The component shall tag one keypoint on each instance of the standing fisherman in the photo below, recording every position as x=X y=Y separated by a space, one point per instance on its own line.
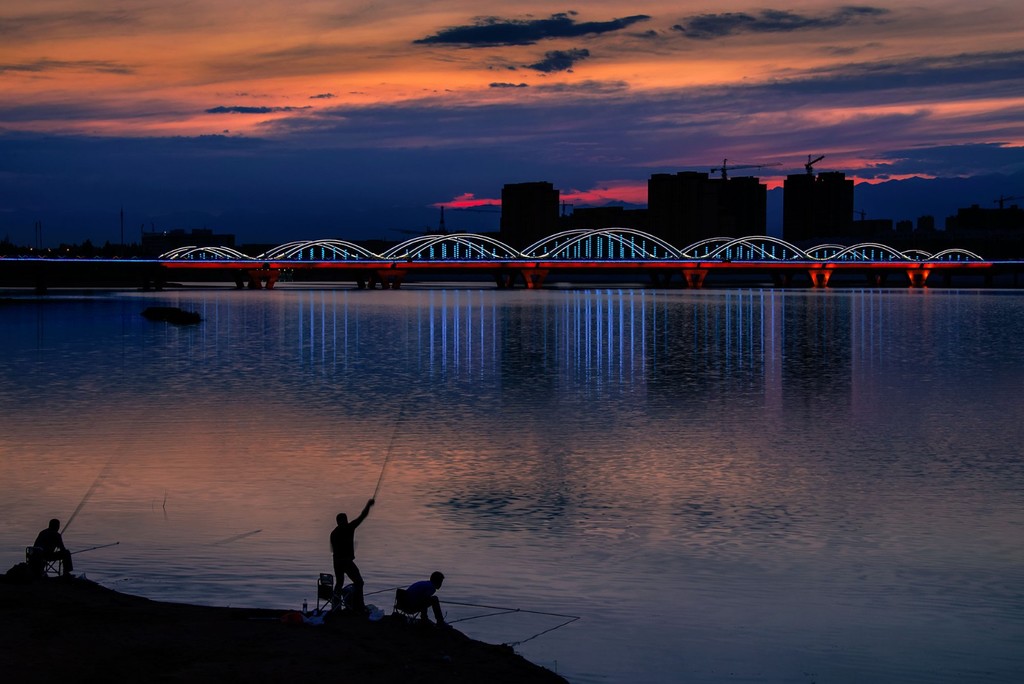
x=343 y=548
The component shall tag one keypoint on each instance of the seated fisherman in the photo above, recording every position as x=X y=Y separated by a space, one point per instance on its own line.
x=50 y=546
x=420 y=596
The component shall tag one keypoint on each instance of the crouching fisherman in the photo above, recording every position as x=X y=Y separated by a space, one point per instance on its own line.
x=421 y=595
x=49 y=546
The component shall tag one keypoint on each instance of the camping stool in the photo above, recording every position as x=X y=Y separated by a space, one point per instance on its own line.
x=41 y=565
x=404 y=607
x=325 y=592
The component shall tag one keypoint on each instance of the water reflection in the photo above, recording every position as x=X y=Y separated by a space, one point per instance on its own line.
x=737 y=480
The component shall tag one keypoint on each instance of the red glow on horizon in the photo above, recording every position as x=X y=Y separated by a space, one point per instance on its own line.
x=635 y=192
x=467 y=200
x=628 y=191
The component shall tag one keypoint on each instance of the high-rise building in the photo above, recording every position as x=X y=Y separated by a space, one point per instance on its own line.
x=816 y=206
x=976 y=218
x=689 y=206
x=529 y=212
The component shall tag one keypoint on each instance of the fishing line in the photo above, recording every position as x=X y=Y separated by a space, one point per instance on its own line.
x=235 y=538
x=505 y=611
x=512 y=610
x=93 y=548
x=89 y=493
x=475 y=617
x=517 y=643
x=501 y=611
x=391 y=446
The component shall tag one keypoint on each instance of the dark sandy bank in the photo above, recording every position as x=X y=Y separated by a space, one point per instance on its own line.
x=76 y=630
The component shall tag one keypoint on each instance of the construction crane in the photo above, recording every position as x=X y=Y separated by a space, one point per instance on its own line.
x=1003 y=198
x=809 y=166
x=441 y=229
x=725 y=168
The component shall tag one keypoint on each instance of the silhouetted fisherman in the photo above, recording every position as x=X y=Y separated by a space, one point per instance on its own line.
x=344 y=550
x=49 y=546
x=420 y=596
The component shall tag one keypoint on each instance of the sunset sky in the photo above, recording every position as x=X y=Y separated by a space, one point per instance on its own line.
x=306 y=119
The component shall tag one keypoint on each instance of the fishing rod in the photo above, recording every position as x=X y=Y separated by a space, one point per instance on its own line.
x=88 y=494
x=391 y=446
x=236 y=537
x=93 y=548
x=501 y=611
x=505 y=611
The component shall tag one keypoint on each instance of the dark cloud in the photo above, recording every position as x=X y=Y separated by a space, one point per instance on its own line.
x=589 y=87
x=495 y=31
x=508 y=85
x=65 y=24
x=253 y=110
x=954 y=160
x=43 y=65
x=322 y=96
x=705 y=123
x=559 y=60
x=383 y=163
x=962 y=75
x=710 y=26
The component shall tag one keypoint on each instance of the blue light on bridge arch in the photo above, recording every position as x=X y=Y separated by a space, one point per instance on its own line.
x=608 y=244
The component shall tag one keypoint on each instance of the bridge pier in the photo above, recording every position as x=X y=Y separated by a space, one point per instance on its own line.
x=820 y=277
x=389 y=279
x=693 y=278
x=661 y=279
x=876 y=278
x=262 y=277
x=918 y=276
x=534 y=277
x=154 y=279
x=784 y=279
x=505 y=280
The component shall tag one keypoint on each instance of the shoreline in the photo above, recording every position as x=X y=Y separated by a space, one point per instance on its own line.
x=75 y=628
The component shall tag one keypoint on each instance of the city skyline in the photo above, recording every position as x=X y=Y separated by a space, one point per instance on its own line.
x=282 y=121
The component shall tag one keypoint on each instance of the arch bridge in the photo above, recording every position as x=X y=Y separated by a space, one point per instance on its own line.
x=586 y=253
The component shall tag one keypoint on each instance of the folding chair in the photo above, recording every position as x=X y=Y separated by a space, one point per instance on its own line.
x=41 y=565
x=325 y=595
x=405 y=608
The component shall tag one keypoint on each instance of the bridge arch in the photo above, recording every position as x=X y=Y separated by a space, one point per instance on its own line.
x=602 y=244
x=956 y=254
x=870 y=251
x=320 y=250
x=451 y=247
x=749 y=248
x=917 y=255
x=824 y=252
x=194 y=253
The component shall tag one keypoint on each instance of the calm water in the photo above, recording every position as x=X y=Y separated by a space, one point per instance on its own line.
x=742 y=486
